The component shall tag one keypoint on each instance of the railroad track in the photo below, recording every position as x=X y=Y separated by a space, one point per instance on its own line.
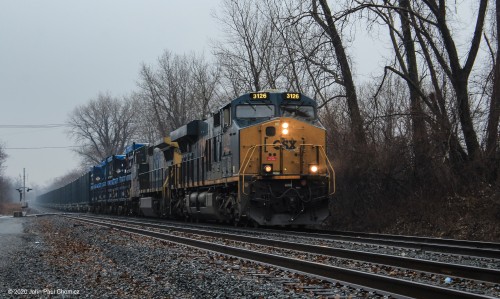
x=392 y=285
x=414 y=239
x=448 y=246
x=460 y=247
x=464 y=248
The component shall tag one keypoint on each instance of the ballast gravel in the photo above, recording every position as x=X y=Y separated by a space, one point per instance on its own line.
x=61 y=258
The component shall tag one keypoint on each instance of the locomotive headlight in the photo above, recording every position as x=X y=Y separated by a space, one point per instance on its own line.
x=268 y=168
x=284 y=127
x=313 y=168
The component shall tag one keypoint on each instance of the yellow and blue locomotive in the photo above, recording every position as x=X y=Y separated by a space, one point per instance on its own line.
x=261 y=158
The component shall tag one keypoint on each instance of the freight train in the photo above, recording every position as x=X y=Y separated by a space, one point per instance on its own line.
x=261 y=158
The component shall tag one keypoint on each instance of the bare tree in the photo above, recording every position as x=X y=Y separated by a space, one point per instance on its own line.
x=437 y=36
x=277 y=44
x=178 y=90
x=492 y=138
x=3 y=157
x=148 y=128
x=205 y=85
x=103 y=127
x=251 y=55
x=7 y=190
x=428 y=38
x=327 y=22
x=306 y=59
x=6 y=187
x=405 y=64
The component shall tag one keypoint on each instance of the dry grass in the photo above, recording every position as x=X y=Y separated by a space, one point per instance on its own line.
x=8 y=208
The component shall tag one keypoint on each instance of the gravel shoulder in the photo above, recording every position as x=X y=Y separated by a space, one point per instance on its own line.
x=54 y=257
x=12 y=238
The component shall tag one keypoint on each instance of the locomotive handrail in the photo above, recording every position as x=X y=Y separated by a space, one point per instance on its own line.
x=329 y=167
x=253 y=147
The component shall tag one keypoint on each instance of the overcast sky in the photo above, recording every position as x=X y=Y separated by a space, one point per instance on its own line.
x=58 y=54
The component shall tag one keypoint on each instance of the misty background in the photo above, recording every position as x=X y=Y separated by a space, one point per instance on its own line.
x=56 y=55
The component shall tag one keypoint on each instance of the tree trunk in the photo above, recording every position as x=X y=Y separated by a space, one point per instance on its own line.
x=341 y=56
x=417 y=116
x=459 y=75
x=494 y=113
x=470 y=137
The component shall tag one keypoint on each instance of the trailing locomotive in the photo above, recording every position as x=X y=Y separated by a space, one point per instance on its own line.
x=260 y=158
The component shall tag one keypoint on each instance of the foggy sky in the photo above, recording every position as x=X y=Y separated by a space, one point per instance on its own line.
x=58 y=54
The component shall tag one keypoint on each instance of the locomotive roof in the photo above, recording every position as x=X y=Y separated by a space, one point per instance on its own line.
x=115 y=157
x=133 y=147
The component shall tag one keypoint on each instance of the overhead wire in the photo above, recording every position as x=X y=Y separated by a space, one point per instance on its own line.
x=35 y=126
x=32 y=126
x=36 y=148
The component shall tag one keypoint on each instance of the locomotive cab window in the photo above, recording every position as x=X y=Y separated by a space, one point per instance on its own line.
x=226 y=112
x=217 y=119
x=254 y=111
x=306 y=112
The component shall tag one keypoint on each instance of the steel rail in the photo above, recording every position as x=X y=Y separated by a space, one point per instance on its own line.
x=435 y=245
x=425 y=244
x=450 y=246
x=443 y=241
x=331 y=273
x=463 y=271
